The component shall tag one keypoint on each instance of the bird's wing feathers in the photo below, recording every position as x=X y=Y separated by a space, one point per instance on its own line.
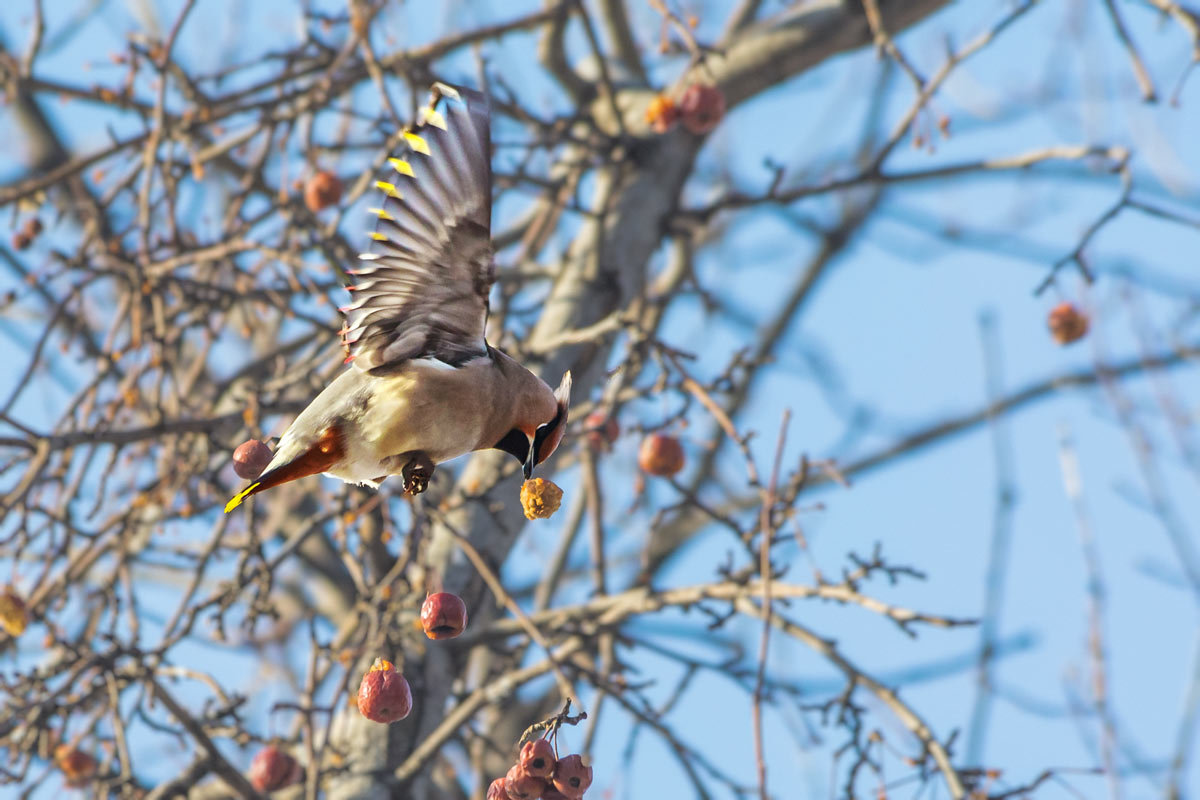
x=422 y=289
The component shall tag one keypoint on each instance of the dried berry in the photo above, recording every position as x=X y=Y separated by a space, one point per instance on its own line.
x=572 y=776
x=384 y=695
x=78 y=768
x=540 y=498
x=443 y=615
x=550 y=793
x=600 y=431
x=273 y=769
x=21 y=240
x=322 y=190
x=250 y=459
x=661 y=113
x=661 y=455
x=701 y=108
x=537 y=758
x=520 y=785
x=14 y=615
x=32 y=227
x=496 y=790
x=1067 y=323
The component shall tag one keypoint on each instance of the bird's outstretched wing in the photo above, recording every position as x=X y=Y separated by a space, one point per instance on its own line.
x=422 y=288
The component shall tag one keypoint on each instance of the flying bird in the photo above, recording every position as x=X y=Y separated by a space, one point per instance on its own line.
x=423 y=386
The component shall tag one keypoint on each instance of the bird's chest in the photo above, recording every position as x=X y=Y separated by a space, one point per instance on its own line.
x=427 y=409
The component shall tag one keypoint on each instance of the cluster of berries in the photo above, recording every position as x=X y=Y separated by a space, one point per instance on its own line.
x=539 y=773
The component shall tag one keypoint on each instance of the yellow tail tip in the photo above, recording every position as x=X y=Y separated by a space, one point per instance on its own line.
x=240 y=496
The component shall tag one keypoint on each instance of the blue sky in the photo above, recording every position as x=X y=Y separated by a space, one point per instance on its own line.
x=898 y=317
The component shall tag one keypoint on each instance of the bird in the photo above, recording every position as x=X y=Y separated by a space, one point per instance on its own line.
x=422 y=385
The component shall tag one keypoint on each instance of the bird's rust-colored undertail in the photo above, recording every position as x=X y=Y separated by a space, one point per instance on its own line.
x=328 y=450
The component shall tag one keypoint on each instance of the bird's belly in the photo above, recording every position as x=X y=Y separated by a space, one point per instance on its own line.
x=420 y=411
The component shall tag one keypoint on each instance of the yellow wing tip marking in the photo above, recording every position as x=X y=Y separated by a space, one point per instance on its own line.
x=389 y=188
x=402 y=166
x=240 y=496
x=379 y=212
x=417 y=143
x=431 y=116
x=379 y=237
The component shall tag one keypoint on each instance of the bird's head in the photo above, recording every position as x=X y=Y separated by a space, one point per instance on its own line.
x=538 y=434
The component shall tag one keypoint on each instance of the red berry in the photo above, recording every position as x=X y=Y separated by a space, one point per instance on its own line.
x=701 y=108
x=250 y=459
x=21 y=240
x=522 y=786
x=1067 y=323
x=572 y=777
x=443 y=615
x=537 y=758
x=601 y=431
x=660 y=454
x=496 y=790
x=383 y=695
x=273 y=769
x=322 y=191
x=78 y=767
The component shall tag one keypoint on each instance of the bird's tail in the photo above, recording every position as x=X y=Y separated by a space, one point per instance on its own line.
x=319 y=457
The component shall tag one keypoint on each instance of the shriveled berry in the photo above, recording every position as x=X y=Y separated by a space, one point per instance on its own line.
x=32 y=227
x=78 y=768
x=572 y=776
x=550 y=793
x=384 y=695
x=496 y=790
x=21 y=240
x=14 y=615
x=600 y=431
x=273 y=769
x=662 y=113
x=250 y=459
x=537 y=758
x=520 y=785
x=701 y=108
x=1067 y=323
x=660 y=454
x=322 y=190
x=540 y=498
x=443 y=615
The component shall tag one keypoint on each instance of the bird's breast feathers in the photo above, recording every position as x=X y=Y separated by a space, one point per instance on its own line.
x=428 y=407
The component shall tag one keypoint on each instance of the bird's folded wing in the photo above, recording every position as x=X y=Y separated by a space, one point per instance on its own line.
x=421 y=290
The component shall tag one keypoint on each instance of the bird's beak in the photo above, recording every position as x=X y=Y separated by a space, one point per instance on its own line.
x=527 y=467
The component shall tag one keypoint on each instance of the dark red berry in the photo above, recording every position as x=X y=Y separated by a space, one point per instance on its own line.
x=701 y=108
x=600 y=430
x=496 y=790
x=323 y=190
x=572 y=777
x=384 y=695
x=443 y=615
x=1067 y=323
x=522 y=786
x=660 y=454
x=537 y=758
x=250 y=459
x=273 y=769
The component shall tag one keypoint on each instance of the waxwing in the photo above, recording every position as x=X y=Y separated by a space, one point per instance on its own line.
x=422 y=385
